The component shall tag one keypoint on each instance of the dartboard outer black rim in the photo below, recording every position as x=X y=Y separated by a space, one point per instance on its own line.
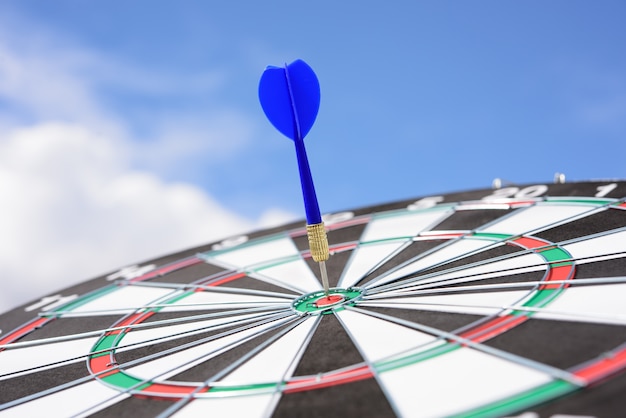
x=490 y=302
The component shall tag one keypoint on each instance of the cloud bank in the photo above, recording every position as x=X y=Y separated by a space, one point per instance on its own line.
x=80 y=194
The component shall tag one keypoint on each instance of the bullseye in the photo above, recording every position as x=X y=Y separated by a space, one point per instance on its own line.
x=318 y=303
x=328 y=301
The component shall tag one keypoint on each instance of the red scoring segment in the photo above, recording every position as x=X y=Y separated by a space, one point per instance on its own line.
x=331 y=379
x=23 y=330
x=161 y=271
x=328 y=300
x=560 y=270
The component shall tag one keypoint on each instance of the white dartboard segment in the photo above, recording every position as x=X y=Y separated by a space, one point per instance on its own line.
x=141 y=337
x=124 y=300
x=276 y=260
x=536 y=217
x=164 y=367
x=234 y=406
x=367 y=257
x=293 y=274
x=510 y=266
x=403 y=224
x=605 y=304
x=18 y=362
x=368 y=332
x=383 y=236
x=248 y=256
x=211 y=300
x=472 y=379
x=449 y=252
x=605 y=246
x=276 y=362
x=80 y=400
x=478 y=303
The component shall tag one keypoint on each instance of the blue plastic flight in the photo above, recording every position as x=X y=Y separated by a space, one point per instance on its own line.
x=290 y=98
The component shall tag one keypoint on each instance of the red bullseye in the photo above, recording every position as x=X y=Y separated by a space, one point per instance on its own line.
x=328 y=300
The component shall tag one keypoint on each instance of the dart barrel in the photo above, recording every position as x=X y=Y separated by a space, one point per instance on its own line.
x=318 y=242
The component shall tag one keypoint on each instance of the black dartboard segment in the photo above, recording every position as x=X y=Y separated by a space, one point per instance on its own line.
x=486 y=303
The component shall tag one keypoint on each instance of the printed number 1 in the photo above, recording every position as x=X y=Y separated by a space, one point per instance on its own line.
x=606 y=189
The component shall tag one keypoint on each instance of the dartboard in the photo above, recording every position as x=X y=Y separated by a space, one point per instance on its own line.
x=493 y=302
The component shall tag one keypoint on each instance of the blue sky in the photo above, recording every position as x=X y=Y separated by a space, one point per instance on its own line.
x=130 y=129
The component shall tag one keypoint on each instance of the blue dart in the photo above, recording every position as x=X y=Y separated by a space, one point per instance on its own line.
x=290 y=98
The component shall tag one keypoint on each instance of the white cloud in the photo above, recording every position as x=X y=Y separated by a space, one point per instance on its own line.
x=46 y=85
x=72 y=208
x=181 y=138
x=73 y=202
x=43 y=79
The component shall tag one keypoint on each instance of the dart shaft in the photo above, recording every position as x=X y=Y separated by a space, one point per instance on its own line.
x=311 y=207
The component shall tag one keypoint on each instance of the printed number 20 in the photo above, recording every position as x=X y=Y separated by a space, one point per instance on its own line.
x=516 y=192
